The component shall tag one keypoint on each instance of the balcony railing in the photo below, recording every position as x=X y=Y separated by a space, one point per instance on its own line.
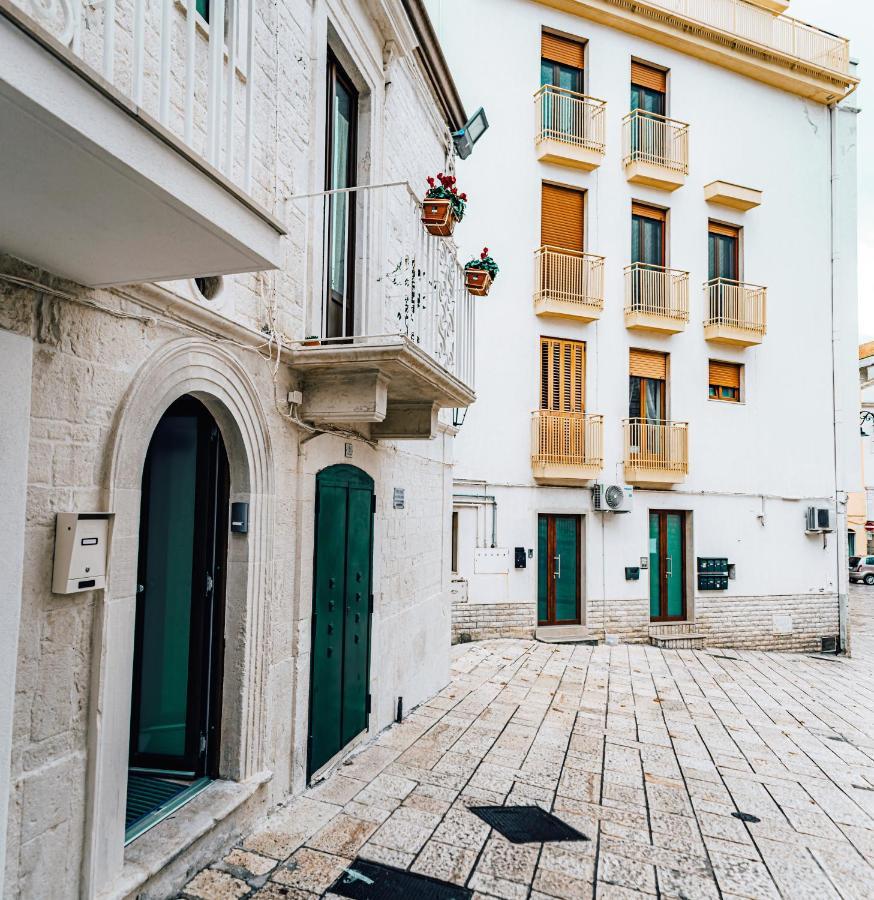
x=656 y=291
x=570 y=118
x=568 y=283
x=736 y=305
x=782 y=34
x=656 y=141
x=656 y=447
x=194 y=79
x=567 y=439
x=383 y=277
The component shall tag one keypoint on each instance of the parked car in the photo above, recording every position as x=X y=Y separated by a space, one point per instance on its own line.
x=862 y=569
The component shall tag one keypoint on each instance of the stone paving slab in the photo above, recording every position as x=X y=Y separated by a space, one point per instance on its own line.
x=648 y=752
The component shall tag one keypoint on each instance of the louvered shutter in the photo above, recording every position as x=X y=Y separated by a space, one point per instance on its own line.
x=562 y=375
x=731 y=231
x=649 y=77
x=725 y=374
x=562 y=50
x=561 y=217
x=651 y=212
x=648 y=364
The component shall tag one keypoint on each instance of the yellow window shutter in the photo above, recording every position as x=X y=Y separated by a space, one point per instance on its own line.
x=731 y=231
x=649 y=77
x=648 y=364
x=650 y=212
x=725 y=374
x=562 y=50
x=562 y=375
x=561 y=217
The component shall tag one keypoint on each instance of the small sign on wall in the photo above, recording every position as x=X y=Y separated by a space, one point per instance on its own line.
x=398 y=498
x=347 y=450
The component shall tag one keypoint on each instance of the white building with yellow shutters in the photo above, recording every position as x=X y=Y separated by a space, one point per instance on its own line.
x=669 y=188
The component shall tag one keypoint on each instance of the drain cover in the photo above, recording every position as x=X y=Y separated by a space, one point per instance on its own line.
x=746 y=817
x=527 y=824
x=365 y=880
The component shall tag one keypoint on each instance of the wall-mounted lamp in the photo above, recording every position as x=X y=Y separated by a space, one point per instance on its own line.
x=474 y=129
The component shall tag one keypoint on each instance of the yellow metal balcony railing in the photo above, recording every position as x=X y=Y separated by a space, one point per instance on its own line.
x=657 y=142
x=782 y=34
x=656 y=451
x=566 y=447
x=656 y=298
x=568 y=283
x=571 y=127
x=735 y=312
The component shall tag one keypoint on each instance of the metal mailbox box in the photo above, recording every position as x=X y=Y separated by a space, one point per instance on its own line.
x=81 y=552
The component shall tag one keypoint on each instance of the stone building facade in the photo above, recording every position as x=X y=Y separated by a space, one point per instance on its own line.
x=231 y=334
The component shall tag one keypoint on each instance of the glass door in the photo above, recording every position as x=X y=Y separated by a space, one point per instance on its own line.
x=648 y=291
x=646 y=403
x=559 y=565
x=667 y=566
x=558 y=108
x=339 y=313
x=647 y=135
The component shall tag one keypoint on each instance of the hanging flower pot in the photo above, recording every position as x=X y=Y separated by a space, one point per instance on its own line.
x=443 y=206
x=480 y=273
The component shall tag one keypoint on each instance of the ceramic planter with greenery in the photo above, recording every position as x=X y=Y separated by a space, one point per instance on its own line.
x=443 y=206
x=480 y=273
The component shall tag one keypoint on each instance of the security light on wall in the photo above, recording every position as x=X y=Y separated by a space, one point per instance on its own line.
x=474 y=129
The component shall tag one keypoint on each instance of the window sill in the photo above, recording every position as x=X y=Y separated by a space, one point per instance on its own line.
x=159 y=846
x=726 y=402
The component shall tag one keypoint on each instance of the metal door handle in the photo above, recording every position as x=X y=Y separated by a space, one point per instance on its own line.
x=557 y=572
x=669 y=566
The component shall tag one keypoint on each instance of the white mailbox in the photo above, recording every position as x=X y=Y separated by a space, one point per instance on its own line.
x=81 y=552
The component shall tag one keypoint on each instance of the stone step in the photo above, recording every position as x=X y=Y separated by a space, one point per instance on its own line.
x=686 y=640
x=564 y=634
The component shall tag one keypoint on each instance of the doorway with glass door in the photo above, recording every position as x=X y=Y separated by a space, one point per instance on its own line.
x=179 y=628
x=667 y=566
x=561 y=73
x=559 y=573
x=647 y=383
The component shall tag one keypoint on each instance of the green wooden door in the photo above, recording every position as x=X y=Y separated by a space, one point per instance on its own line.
x=667 y=566
x=342 y=605
x=558 y=570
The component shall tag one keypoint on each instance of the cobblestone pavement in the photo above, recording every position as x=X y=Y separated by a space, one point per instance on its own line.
x=647 y=752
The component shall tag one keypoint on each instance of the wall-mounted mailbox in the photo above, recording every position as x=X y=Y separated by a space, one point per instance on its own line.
x=81 y=552
x=519 y=554
x=632 y=573
x=713 y=573
x=240 y=518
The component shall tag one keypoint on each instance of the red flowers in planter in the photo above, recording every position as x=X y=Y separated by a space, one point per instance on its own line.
x=443 y=206
x=480 y=273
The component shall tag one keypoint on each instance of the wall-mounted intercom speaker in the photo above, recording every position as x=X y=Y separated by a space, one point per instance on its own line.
x=240 y=518
x=81 y=552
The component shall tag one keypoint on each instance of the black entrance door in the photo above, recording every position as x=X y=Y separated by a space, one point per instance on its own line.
x=178 y=649
x=342 y=607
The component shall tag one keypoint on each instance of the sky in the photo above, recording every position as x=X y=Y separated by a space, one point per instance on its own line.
x=855 y=19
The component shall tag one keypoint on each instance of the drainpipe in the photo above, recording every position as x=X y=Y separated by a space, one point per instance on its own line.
x=479 y=499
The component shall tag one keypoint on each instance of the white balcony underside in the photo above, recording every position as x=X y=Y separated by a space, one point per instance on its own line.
x=95 y=191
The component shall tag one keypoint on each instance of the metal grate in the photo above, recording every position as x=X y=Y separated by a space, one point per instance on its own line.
x=365 y=880
x=527 y=824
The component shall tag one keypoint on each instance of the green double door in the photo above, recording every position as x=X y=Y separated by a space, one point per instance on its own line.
x=558 y=569
x=667 y=566
x=342 y=608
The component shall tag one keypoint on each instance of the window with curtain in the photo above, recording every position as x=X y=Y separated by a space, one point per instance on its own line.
x=725 y=381
x=648 y=372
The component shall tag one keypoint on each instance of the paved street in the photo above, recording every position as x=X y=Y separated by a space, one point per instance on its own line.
x=648 y=753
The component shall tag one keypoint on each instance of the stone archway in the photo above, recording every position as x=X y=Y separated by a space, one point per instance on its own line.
x=218 y=379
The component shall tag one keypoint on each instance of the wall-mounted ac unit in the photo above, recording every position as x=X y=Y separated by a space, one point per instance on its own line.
x=818 y=519
x=615 y=498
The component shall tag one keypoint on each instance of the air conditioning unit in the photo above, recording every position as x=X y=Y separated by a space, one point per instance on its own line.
x=612 y=498
x=818 y=519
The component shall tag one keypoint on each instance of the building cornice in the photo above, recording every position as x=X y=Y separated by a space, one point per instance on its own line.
x=762 y=58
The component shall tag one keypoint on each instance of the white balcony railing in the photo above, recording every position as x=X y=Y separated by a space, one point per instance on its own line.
x=782 y=34
x=657 y=446
x=381 y=276
x=657 y=291
x=567 y=439
x=736 y=305
x=653 y=139
x=570 y=118
x=167 y=61
x=569 y=277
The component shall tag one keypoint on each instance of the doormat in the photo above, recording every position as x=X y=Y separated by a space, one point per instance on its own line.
x=527 y=824
x=365 y=880
x=746 y=817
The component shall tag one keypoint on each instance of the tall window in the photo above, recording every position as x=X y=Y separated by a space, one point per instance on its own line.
x=562 y=375
x=561 y=67
x=725 y=381
x=648 y=374
x=723 y=243
x=648 y=88
x=648 y=235
x=340 y=168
